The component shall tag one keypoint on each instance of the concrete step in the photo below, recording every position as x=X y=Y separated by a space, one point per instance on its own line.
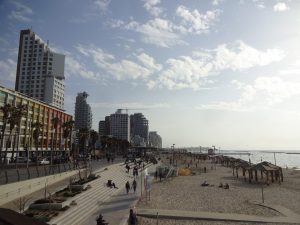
x=91 y=200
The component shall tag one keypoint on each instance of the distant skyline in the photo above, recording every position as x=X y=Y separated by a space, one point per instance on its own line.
x=220 y=72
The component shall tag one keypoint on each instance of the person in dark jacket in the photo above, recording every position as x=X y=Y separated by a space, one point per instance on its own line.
x=127 y=186
x=132 y=220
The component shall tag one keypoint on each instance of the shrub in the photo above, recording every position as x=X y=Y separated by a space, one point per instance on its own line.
x=42 y=218
x=65 y=208
x=69 y=194
x=43 y=200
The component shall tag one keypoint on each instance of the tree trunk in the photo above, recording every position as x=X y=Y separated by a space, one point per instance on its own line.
x=13 y=147
x=8 y=143
x=2 y=139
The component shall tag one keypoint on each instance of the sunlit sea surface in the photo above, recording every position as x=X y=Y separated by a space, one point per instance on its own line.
x=290 y=159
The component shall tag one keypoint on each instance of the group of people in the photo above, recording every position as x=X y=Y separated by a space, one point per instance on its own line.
x=134 y=185
x=225 y=186
x=132 y=219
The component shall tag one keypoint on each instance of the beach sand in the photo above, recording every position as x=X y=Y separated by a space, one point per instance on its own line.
x=186 y=193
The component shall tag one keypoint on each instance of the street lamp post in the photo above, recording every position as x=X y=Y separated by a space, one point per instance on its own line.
x=173 y=153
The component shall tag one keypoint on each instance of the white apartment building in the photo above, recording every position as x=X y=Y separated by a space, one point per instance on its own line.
x=120 y=125
x=40 y=71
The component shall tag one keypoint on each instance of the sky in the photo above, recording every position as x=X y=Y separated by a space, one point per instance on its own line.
x=222 y=73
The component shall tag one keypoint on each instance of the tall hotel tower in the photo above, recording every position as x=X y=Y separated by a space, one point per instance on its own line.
x=40 y=71
x=83 y=112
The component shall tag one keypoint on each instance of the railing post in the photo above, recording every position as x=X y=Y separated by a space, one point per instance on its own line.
x=37 y=171
x=28 y=173
x=6 y=177
x=45 y=171
x=18 y=173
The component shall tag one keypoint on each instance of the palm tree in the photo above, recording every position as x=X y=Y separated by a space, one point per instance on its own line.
x=94 y=137
x=21 y=111
x=36 y=134
x=83 y=137
x=124 y=146
x=55 y=122
x=6 y=110
x=67 y=130
x=14 y=120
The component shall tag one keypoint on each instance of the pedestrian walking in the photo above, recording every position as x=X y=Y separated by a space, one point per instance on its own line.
x=134 y=185
x=127 y=167
x=127 y=186
x=132 y=220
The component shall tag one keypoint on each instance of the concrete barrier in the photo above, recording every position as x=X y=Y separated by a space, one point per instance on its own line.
x=13 y=191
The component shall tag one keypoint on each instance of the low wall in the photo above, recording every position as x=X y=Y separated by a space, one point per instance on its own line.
x=13 y=191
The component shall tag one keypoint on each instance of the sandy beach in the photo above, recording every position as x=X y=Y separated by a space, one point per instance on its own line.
x=186 y=193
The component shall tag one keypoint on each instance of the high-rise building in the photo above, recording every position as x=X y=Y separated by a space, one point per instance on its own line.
x=83 y=112
x=40 y=71
x=104 y=126
x=120 y=125
x=101 y=129
x=155 y=139
x=139 y=126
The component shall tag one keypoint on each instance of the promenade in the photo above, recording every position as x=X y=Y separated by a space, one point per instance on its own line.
x=287 y=217
x=34 y=187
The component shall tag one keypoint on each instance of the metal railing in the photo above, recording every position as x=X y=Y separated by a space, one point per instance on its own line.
x=14 y=175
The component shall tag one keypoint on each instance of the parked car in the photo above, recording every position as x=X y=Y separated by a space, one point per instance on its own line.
x=44 y=162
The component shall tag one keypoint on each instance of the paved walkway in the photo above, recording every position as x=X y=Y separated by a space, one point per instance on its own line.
x=113 y=203
x=116 y=209
x=289 y=217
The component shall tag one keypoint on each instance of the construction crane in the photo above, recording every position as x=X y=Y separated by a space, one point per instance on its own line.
x=127 y=109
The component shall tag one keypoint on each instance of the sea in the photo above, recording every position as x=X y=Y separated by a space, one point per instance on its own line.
x=290 y=159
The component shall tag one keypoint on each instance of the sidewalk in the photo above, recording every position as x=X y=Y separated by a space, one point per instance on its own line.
x=179 y=214
x=116 y=210
x=113 y=203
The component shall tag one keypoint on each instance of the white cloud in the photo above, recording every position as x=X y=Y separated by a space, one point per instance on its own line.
x=194 y=21
x=122 y=69
x=102 y=5
x=74 y=67
x=149 y=62
x=152 y=7
x=22 y=12
x=280 y=7
x=195 y=71
x=241 y=56
x=291 y=69
x=158 y=32
x=263 y=93
x=260 y=4
x=164 y=33
x=217 y=2
x=8 y=70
